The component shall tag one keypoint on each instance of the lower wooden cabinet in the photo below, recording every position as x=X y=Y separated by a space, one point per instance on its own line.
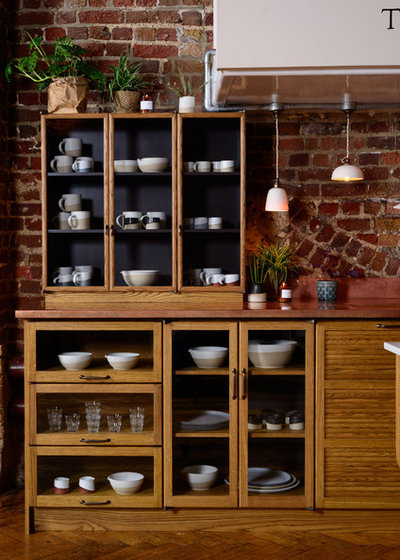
x=355 y=416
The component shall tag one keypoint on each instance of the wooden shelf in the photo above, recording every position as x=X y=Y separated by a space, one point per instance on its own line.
x=205 y=434
x=99 y=368
x=286 y=432
x=143 y=231
x=200 y=371
x=143 y=174
x=211 y=174
x=75 y=231
x=291 y=370
x=220 y=489
x=76 y=174
x=212 y=231
x=124 y=437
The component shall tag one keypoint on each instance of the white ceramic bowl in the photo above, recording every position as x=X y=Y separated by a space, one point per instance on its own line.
x=153 y=164
x=125 y=165
x=208 y=356
x=139 y=277
x=75 y=361
x=126 y=482
x=122 y=360
x=271 y=353
x=200 y=477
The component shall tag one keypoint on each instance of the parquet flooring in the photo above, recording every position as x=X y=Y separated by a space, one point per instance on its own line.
x=236 y=545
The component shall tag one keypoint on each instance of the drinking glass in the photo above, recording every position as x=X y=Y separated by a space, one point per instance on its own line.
x=72 y=421
x=114 y=422
x=54 y=417
x=136 y=418
x=93 y=422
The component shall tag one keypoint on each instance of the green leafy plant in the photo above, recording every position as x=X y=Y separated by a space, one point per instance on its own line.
x=126 y=77
x=42 y=68
x=186 y=88
x=257 y=267
x=281 y=263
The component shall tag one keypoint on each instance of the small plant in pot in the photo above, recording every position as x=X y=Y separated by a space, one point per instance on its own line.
x=281 y=265
x=66 y=74
x=186 y=93
x=258 y=274
x=126 y=85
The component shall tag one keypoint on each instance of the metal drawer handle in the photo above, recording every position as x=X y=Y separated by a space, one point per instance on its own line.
x=244 y=373
x=379 y=326
x=86 y=377
x=234 y=380
x=95 y=503
x=83 y=440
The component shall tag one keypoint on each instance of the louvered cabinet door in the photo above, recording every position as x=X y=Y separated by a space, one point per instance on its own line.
x=355 y=416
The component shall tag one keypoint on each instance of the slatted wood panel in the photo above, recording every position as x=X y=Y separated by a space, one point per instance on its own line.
x=355 y=416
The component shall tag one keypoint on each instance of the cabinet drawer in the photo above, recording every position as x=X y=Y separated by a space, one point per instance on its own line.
x=48 y=463
x=49 y=339
x=113 y=398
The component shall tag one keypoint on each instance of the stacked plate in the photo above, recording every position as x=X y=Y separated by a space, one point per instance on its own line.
x=269 y=481
x=204 y=420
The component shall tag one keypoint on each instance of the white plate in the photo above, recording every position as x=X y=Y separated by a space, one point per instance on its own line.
x=294 y=482
x=204 y=420
x=265 y=478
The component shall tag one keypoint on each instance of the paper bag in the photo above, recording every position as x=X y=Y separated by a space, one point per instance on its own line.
x=68 y=95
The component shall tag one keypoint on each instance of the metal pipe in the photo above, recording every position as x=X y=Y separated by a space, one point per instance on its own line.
x=209 y=106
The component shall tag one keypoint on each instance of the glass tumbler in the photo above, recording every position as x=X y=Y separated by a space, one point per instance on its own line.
x=114 y=422
x=72 y=421
x=136 y=418
x=54 y=417
x=93 y=421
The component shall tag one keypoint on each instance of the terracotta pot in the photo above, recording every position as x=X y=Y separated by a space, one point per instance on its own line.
x=126 y=101
x=68 y=95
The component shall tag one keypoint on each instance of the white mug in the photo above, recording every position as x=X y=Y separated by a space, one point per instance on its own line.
x=82 y=278
x=63 y=270
x=215 y=223
x=129 y=220
x=85 y=268
x=200 y=222
x=63 y=280
x=61 y=484
x=62 y=164
x=231 y=279
x=83 y=164
x=70 y=202
x=79 y=219
x=215 y=279
x=188 y=166
x=227 y=165
x=202 y=166
x=60 y=220
x=207 y=272
x=125 y=165
x=161 y=215
x=216 y=166
x=87 y=483
x=71 y=147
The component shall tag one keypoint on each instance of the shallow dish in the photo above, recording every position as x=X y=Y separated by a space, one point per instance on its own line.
x=208 y=356
x=153 y=164
x=122 y=360
x=271 y=353
x=126 y=483
x=200 y=477
x=139 y=277
x=75 y=361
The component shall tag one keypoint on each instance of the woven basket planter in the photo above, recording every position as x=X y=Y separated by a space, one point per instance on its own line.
x=126 y=101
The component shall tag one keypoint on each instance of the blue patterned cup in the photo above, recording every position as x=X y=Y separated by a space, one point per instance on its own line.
x=327 y=290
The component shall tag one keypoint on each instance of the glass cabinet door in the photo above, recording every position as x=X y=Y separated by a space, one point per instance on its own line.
x=74 y=194
x=142 y=202
x=276 y=395
x=200 y=414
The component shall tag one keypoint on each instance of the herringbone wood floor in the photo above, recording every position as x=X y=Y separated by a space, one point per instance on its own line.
x=243 y=545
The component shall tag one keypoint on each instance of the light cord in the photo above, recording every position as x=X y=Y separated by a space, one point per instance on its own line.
x=347 y=136
x=276 y=147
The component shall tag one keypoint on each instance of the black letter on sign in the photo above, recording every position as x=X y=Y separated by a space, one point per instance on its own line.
x=390 y=10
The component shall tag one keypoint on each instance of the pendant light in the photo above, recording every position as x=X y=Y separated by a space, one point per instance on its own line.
x=276 y=199
x=347 y=172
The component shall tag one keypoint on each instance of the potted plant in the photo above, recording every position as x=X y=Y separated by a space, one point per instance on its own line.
x=186 y=93
x=125 y=85
x=281 y=265
x=258 y=274
x=64 y=72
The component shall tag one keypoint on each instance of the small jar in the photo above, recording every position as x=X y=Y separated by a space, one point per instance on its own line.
x=289 y=414
x=146 y=103
x=264 y=415
x=254 y=422
x=297 y=421
x=61 y=485
x=284 y=293
x=275 y=422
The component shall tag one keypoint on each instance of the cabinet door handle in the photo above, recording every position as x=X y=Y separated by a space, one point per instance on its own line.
x=244 y=386
x=95 y=503
x=86 y=377
x=106 y=229
x=83 y=440
x=180 y=229
x=112 y=229
x=234 y=381
x=380 y=326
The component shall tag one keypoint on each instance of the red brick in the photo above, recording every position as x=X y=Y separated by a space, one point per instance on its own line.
x=166 y=34
x=354 y=224
x=135 y=16
x=392 y=267
x=298 y=160
x=98 y=3
x=78 y=32
x=388 y=224
x=328 y=143
x=33 y=18
x=31 y=98
x=351 y=207
x=99 y=33
x=291 y=144
x=103 y=16
x=146 y=2
x=163 y=16
x=371 y=238
x=340 y=190
x=391 y=158
x=65 y=17
x=52 y=33
x=317 y=258
x=352 y=248
x=328 y=208
x=326 y=234
x=145 y=34
x=122 y=33
x=115 y=49
x=305 y=248
x=154 y=51
x=322 y=160
x=53 y=3
x=379 y=262
x=372 y=207
x=365 y=256
x=315 y=224
x=191 y=18
x=369 y=159
x=381 y=142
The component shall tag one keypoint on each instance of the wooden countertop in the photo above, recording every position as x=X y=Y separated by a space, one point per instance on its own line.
x=357 y=309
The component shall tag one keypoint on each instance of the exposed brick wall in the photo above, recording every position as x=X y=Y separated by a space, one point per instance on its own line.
x=343 y=229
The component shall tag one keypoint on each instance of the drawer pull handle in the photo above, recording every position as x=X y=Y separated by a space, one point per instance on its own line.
x=380 y=326
x=244 y=386
x=88 y=377
x=95 y=503
x=83 y=440
x=234 y=381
